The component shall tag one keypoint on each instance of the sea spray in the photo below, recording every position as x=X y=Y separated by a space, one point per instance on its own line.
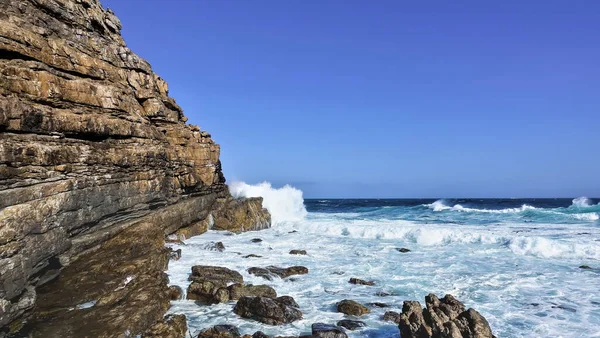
x=285 y=204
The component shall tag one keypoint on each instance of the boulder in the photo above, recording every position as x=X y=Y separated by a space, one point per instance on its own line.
x=217 y=274
x=270 y=271
x=321 y=330
x=287 y=300
x=266 y=310
x=175 y=292
x=360 y=281
x=172 y=326
x=209 y=283
x=352 y=308
x=298 y=252
x=392 y=316
x=445 y=318
x=351 y=324
x=220 y=331
x=237 y=291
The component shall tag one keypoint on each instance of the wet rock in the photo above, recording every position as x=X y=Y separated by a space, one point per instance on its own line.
x=209 y=283
x=214 y=246
x=445 y=318
x=563 y=307
x=216 y=274
x=172 y=326
x=256 y=240
x=174 y=254
x=241 y=214
x=322 y=330
x=587 y=267
x=259 y=334
x=237 y=291
x=351 y=324
x=382 y=294
x=392 y=316
x=266 y=310
x=220 y=331
x=298 y=252
x=252 y=256
x=293 y=232
x=271 y=271
x=287 y=300
x=352 y=308
x=403 y=250
x=378 y=304
x=360 y=281
x=175 y=292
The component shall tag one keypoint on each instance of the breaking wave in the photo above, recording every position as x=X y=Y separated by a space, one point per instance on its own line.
x=285 y=204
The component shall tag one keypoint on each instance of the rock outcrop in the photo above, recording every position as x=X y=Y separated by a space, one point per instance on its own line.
x=96 y=162
x=267 y=310
x=443 y=318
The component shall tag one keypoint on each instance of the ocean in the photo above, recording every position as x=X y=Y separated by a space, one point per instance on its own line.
x=516 y=261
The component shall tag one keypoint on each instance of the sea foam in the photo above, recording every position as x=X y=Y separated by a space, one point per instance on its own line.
x=285 y=204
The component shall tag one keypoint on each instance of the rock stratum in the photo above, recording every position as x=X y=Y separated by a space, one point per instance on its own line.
x=97 y=166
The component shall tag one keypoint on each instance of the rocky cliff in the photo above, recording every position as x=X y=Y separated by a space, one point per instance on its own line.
x=97 y=165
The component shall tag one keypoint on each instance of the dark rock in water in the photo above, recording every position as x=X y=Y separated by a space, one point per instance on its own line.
x=237 y=291
x=256 y=240
x=287 y=300
x=351 y=324
x=252 y=256
x=266 y=310
x=352 y=308
x=172 y=326
x=175 y=292
x=217 y=274
x=259 y=334
x=174 y=254
x=392 y=316
x=378 y=304
x=566 y=308
x=220 y=331
x=271 y=271
x=382 y=294
x=209 y=283
x=360 y=281
x=403 y=250
x=214 y=246
x=339 y=273
x=587 y=267
x=445 y=318
x=321 y=330
x=293 y=232
x=298 y=252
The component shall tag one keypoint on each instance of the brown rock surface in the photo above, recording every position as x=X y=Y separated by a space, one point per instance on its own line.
x=94 y=157
x=443 y=318
x=353 y=308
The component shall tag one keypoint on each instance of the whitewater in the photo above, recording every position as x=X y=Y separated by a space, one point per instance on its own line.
x=518 y=262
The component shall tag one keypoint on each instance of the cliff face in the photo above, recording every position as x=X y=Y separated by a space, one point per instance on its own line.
x=94 y=155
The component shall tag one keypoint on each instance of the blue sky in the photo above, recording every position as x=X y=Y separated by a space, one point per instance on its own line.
x=386 y=98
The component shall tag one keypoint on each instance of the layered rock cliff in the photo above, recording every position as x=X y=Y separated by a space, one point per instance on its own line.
x=97 y=165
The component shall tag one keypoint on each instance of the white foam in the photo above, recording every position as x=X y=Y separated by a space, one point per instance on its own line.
x=440 y=205
x=592 y=216
x=285 y=204
x=582 y=202
x=549 y=248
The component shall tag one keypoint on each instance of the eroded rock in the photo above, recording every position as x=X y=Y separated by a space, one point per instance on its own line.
x=266 y=310
x=173 y=326
x=322 y=330
x=220 y=331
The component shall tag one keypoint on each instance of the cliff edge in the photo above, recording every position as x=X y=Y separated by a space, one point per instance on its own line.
x=97 y=166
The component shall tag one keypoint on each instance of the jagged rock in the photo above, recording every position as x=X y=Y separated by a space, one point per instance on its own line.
x=220 y=331
x=172 y=326
x=175 y=292
x=322 y=330
x=445 y=318
x=209 y=283
x=237 y=291
x=392 y=316
x=352 y=308
x=298 y=252
x=266 y=310
x=271 y=271
x=351 y=324
x=217 y=274
x=93 y=150
x=287 y=300
x=403 y=250
x=360 y=281
x=174 y=254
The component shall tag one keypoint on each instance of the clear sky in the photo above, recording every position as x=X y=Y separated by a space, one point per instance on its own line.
x=391 y=98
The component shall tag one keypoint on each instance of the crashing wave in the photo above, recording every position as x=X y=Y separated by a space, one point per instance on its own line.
x=285 y=204
x=440 y=205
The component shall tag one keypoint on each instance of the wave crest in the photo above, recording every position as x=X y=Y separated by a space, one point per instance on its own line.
x=285 y=204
